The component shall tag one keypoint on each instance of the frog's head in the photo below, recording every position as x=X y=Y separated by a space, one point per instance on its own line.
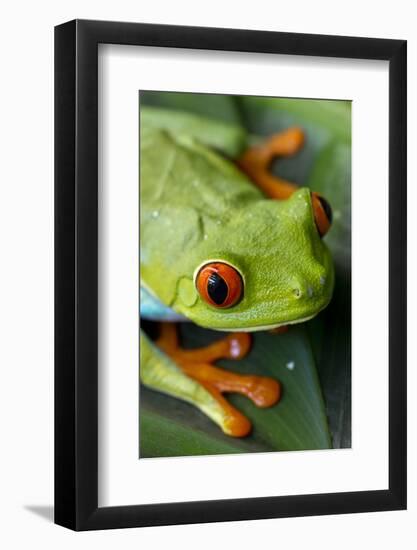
x=264 y=266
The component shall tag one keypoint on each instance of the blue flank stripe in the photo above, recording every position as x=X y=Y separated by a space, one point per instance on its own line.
x=154 y=310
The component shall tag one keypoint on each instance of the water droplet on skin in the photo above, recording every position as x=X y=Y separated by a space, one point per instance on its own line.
x=155 y=214
x=322 y=280
x=290 y=365
x=205 y=237
x=310 y=291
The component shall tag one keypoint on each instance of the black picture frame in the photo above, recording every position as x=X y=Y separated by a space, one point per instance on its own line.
x=76 y=272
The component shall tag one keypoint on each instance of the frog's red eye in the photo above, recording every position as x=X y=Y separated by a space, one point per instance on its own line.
x=322 y=213
x=219 y=284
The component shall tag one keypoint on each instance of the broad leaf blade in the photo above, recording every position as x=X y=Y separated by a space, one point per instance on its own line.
x=217 y=107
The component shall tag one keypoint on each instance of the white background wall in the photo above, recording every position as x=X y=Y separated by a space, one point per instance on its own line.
x=26 y=275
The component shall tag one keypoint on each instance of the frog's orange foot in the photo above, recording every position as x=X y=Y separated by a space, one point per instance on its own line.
x=279 y=330
x=256 y=162
x=196 y=363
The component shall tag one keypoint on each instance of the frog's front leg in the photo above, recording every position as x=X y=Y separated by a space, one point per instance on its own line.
x=256 y=162
x=189 y=375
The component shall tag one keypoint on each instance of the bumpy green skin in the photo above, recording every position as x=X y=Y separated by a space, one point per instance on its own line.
x=196 y=207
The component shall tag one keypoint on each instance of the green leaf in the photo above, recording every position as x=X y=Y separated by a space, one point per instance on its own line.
x=217 y=107
x=169 y=427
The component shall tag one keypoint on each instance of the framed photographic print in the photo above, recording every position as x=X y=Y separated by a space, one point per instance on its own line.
x=230 y=274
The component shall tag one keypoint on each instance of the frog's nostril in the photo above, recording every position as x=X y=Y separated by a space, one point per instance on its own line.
x=308 y=289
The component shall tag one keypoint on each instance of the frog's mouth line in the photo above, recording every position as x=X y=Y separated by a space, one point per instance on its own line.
x=259 y=328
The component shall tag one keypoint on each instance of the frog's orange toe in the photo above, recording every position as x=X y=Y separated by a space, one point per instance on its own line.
x=239 y=344
x=237 y=425
x=279 y=330
x=287 y=142
x=265 y=391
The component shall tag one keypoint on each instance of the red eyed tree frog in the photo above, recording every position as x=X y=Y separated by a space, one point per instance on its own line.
x=228 y=246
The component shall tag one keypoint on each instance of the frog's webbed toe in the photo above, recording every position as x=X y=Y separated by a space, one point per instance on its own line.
x=197 y=364
x=256 y=162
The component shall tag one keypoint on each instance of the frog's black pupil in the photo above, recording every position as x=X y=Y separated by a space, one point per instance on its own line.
x=326 y=207
x=217 y=288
